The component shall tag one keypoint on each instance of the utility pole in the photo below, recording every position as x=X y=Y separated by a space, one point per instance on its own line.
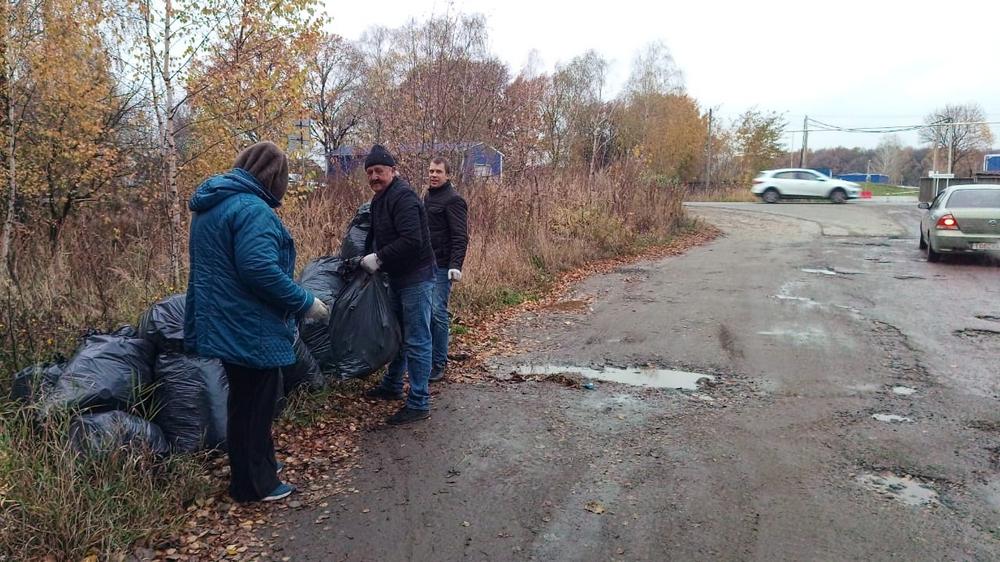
x=805 y=142
x=708 y=153
x=951 y=141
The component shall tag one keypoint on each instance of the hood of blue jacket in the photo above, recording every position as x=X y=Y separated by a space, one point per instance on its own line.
x=217 y=189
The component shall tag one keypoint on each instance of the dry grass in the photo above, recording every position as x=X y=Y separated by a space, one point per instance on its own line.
x=722 y=193
x=56 y=502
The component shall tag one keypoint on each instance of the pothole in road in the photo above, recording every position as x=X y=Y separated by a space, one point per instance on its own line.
x=903 y=390
x=905 y=489
x=988 y=317
x=978 y=334
x=651 y=378
x=990 y=426
x=892 y=418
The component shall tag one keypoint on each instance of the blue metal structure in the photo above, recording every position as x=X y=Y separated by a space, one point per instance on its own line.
x=859 y=177
x=991 y=163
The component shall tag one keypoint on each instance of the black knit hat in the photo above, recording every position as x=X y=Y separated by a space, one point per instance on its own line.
x=379 y=156
x=268 y=164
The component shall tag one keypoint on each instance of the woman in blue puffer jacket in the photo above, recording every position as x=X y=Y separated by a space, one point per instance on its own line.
x=242 y=305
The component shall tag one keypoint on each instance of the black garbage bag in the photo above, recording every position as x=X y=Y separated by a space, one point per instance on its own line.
x=31 y=383
x=189 y=401
x=357 y=242
x=364 y=331
x=163 y=323
x=107 y=432
x=323 y=277
x=108 y=372
x=305 y=372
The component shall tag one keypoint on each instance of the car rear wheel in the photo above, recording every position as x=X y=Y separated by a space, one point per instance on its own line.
x=770 y=195
x=932 y=256
x=838 y=196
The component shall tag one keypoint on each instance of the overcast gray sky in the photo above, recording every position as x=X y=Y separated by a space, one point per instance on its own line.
x=851 y=63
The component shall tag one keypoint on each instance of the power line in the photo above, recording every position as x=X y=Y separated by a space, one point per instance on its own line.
x=826 y=127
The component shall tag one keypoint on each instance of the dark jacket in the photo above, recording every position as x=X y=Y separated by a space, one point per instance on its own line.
x=447 y=219
x=241 y=300
x=402 y=240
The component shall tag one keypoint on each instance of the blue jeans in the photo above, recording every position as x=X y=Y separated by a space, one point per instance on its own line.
x=412 y=306
x=440 y=321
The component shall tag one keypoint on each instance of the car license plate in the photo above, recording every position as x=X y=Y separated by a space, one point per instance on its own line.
x=986 y=246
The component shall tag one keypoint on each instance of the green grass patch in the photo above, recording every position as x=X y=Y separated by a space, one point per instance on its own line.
x=882 y=190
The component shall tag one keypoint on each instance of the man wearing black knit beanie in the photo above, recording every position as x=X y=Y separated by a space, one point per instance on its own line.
x=402 y=249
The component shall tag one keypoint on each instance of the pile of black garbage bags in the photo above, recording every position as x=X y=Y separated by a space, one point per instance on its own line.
x=113 y=378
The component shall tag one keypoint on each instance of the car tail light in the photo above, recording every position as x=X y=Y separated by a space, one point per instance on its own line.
x=947 y=222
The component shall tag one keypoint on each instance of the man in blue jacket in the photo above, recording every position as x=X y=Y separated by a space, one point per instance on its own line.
x=403 y=251
x=242 y=305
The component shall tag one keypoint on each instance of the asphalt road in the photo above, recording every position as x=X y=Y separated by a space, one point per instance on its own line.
x=852 y=413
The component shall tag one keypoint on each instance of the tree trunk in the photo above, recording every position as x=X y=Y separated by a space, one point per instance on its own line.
x=7 y=108
x=171 y=153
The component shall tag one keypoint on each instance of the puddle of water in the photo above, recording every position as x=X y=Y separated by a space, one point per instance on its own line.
x=905 y=489
x=653 y=378
x=903 y=390
x=828 y=271
x=803 y=336
x=892 y=418
x=804 y=300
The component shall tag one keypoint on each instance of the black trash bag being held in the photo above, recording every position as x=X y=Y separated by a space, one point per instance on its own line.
x=163 y=323
x=357 y=242
x=323 y=277
x=108 y=372
x=108 y=432
x=364 y=332
x=190 y=401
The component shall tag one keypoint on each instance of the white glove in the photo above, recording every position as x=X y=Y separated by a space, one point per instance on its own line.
x=371 y=263
x=454 y=275
x=318 y=311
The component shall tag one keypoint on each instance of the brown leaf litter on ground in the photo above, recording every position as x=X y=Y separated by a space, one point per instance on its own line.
x=320 y=456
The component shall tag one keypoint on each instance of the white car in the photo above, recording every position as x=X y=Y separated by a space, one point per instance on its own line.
x=793 y=183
